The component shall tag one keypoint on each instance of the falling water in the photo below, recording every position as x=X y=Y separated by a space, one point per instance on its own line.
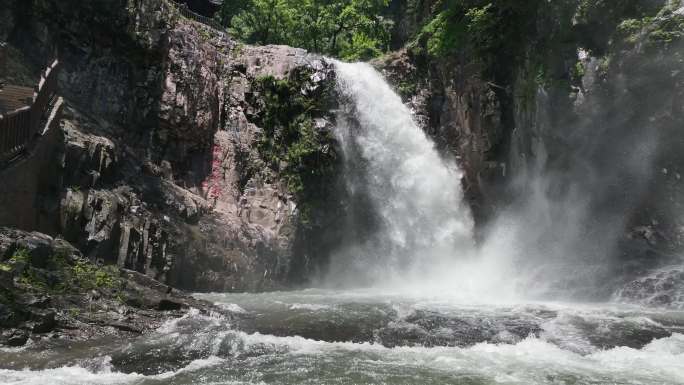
x=421 y=233
x=421 y=217
x=411 y=229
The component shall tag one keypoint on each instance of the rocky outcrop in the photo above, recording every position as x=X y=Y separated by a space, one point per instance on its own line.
x=161 y=171
x=546 y=130
x=255 y=220
x=49 y=290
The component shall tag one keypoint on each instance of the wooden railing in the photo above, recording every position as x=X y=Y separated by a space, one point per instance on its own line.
x=186 y=12
x=3 y=61
x=19 y=127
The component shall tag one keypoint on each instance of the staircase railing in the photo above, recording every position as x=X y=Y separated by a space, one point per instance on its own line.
x=186 y=12
x=19 y=127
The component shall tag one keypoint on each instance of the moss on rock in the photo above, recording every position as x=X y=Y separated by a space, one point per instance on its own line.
x=292 y=143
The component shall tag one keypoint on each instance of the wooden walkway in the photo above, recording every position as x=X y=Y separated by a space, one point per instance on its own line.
x=23 y=112
x=15 y=97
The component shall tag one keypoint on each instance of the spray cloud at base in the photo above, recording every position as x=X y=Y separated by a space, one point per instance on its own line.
x=410 y=228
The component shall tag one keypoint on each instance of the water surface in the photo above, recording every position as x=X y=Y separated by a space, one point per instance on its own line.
x=369 y=337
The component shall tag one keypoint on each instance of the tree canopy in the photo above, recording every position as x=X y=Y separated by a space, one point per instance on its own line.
x=348 y=29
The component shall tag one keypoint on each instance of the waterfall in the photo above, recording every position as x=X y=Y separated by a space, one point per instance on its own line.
x=419 y=219
x=410 y=228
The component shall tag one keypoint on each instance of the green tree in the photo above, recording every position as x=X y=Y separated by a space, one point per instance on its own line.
x=263 y=22
x=350 y=29
x=231 y=8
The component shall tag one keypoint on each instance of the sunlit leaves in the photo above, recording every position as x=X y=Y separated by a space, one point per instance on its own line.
x=352 y=29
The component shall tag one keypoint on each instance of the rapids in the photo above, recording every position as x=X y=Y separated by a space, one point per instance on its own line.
x=365 y=337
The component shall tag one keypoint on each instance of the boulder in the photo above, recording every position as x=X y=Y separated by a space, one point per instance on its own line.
x=18 y=339
x=44 y=322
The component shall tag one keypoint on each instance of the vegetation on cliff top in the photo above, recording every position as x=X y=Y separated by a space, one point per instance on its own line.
x=350 y=29
x=495 y=33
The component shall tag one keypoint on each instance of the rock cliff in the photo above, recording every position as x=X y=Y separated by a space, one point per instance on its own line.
x=544 y=130
x=162 y=171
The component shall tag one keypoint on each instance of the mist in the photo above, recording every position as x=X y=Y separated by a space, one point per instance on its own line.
x=562 y=236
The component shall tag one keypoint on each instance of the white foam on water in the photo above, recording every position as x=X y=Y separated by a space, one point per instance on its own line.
x=529 y=361
x=231 y=307
x=193 y=315
x=194 y=366
x=69 y=375
x=308 y=306
x=15 y=349
x=77 y=375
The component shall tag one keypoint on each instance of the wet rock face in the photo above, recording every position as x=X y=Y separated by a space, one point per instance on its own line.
x=574 y=135
x=661 y=288
x=191 y=98
x=249 y=238
x=568 y=131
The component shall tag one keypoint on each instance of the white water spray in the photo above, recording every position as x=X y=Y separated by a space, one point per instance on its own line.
x=422 y=237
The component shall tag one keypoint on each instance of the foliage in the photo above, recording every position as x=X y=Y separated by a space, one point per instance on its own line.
x=20 y=255
x=350 y=29
x=667 y=30
x=407 y=87
x=611 y=12
x=60 y=274
x=629 y=30
x=597 y=20
x=291 y=144
x=445 y=33
x=501 y=35
x=88 y=276
x=490 y=32
x=231 y=8
x=481 y=24
x=661 y=30
x=577 y=72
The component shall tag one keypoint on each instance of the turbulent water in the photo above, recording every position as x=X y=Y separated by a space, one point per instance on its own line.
x=436 y=308
x=364 y=337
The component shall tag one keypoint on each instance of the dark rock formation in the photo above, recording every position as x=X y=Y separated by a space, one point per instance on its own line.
x=160 y=146
x=545 y=130
x=49 y=290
